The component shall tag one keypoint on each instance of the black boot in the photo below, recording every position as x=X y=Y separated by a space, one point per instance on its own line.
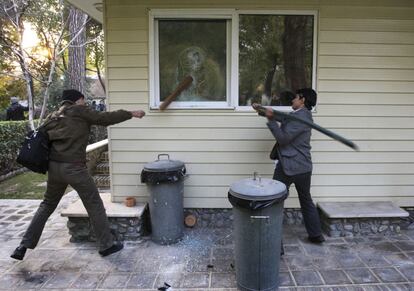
x=115 y=248
x=19 y=253
x=316 y=239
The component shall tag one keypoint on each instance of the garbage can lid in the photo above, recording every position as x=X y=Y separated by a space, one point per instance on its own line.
x=164 y=165
x=258 y=189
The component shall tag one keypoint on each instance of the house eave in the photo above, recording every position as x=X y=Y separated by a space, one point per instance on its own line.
x=91 y=7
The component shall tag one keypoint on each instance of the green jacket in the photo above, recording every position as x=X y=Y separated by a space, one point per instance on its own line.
x=68 y=130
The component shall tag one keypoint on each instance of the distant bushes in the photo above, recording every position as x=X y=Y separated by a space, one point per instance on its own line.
x=12 y=134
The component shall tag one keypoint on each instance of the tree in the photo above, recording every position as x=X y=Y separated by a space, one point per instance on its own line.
x=9 y=86
x=95 y=50
x=12 y=42
x=260 y=50
x=294 y=48
x=276 y=54
x=77 y=51
x=50 y=21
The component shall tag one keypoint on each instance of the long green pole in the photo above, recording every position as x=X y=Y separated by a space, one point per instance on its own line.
x=261 y=110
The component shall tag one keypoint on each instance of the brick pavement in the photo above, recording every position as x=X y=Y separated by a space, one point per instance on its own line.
x=371 y=263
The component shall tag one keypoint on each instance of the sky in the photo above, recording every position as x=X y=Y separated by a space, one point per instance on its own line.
x=30 y=39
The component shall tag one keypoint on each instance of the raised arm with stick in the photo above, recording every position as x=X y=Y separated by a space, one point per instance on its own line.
x=261 y=110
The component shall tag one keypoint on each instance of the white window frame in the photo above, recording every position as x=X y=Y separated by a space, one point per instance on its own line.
x=225 y=14
x=232 y=62
x=314 y=13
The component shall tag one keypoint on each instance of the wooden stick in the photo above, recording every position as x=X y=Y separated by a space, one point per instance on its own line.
x=261 y=110
x=184 y=84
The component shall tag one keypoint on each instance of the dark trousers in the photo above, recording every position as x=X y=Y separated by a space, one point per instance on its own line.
x=60 y=175
x=302 y=184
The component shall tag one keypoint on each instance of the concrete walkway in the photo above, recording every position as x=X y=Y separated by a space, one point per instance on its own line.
x=202 y=261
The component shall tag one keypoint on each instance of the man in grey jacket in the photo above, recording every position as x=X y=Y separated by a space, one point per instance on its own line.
x=294 y=162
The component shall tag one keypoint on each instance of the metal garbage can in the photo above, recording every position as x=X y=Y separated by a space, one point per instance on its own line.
x=258 y=215
x=164 y=179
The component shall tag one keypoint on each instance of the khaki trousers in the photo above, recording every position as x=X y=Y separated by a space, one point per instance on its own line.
x=60 y=175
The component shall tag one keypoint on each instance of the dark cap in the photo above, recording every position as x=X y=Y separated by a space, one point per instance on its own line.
x=71 y=95
x=286 y=97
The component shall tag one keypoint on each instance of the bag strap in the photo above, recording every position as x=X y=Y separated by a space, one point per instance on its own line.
x=58 y=113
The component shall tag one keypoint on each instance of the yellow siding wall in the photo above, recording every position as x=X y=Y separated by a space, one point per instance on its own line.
x=365 y=81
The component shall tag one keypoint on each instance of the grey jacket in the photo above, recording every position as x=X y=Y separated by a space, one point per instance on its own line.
x=293 y=140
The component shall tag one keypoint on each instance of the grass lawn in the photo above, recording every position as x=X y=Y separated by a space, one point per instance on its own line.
x=27 y=185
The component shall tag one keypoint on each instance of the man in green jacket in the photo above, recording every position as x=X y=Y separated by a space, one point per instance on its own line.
x=68 y=132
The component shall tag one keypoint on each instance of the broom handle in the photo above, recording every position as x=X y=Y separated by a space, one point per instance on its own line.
x=184 y=84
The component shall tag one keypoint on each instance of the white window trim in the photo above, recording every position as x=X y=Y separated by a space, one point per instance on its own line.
x=226 y=14
x=232 y=81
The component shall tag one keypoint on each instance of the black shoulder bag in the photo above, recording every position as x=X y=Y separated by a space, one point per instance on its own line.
x=34 y=153
x=274 y=153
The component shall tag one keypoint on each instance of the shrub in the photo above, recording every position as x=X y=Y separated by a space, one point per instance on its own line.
x=3 y=115
x=12 y=134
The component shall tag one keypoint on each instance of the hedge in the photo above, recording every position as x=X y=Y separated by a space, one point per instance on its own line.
x=12 y=134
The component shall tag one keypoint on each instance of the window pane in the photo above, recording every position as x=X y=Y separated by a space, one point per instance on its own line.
x=276 y=54
x=196 y=48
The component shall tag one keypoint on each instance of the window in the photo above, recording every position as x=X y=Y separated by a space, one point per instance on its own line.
x=233 y=58
x=275 y=55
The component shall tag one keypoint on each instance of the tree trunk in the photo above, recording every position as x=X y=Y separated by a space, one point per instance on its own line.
x=47 y=89
x=294 y=52
x=25 y=70
x=101 y=81
x=269 y=77
x=77 y=51
x=30 y=92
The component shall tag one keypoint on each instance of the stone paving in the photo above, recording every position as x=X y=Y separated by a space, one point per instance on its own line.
x=203 y=260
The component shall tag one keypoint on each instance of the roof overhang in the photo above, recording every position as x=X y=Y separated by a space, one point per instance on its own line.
x=93 y=8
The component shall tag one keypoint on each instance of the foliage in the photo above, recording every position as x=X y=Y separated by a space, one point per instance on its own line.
x=3 y=114
x=5 y=51
x=43 y=67
x=9 y=87
x=12 y=134
x=55 y=92
x=95 y=55
x=275 y=54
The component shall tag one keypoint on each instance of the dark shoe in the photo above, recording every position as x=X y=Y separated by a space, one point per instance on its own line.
x=316 y=239
x=115 y=248
x=19 y=253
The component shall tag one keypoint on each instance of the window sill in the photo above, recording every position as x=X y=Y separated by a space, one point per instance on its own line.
x=194 y=107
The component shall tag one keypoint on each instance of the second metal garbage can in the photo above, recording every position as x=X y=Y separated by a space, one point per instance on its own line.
x=164 y=179
x=258 y=215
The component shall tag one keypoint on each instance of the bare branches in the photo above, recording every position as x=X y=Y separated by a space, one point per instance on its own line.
x=41 y=64
x=14 y=76
x=80 y=29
